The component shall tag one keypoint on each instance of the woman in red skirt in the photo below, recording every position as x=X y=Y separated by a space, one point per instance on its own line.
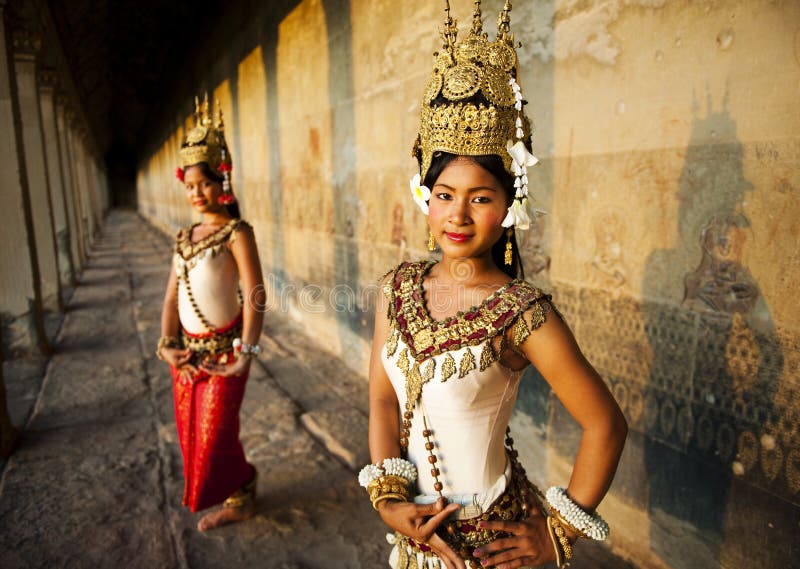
x=209 y=334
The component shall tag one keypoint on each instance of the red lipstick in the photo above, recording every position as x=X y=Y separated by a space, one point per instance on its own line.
x=458 y=237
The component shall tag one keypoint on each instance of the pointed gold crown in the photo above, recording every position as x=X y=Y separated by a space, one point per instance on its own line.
x=206 y=141
x=468 y=107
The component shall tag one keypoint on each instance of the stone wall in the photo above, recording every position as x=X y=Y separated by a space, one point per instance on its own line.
x=54 y=191
x=668 y=134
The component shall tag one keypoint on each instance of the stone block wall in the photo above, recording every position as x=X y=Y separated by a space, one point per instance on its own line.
x=54 y=190
x=668 y=135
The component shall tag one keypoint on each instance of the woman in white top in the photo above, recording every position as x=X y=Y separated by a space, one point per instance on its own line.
x=452 y=339
x=209 y=334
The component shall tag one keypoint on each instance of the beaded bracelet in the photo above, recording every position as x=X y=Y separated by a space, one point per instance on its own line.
x=592 y=526
x=391 y=467
x=247 y=350
x=390 y=480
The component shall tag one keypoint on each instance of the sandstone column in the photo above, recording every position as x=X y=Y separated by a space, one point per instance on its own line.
x=20 y=293
x=53 y=158
x=84 y=190
x=26 y=44
x=77 y=189
x=69 y=187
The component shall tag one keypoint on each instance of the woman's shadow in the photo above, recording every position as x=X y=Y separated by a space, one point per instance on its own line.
x=710 y=419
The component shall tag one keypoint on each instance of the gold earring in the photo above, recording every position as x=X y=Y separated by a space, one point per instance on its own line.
x=431 y=242
x=509 y=255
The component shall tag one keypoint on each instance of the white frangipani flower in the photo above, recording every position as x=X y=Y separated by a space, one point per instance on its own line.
x=420 y=193
x=522 y=158
x=517 y=215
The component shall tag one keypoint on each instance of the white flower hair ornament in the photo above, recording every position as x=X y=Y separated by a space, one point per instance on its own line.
x=521 y=159
x=420 y=193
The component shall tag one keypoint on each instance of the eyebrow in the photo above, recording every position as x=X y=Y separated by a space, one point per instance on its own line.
x=476 y=188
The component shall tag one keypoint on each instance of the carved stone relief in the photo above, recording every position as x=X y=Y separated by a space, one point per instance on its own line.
x=606 y=268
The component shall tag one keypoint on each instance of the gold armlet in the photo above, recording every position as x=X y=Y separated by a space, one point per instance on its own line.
x=166 y=342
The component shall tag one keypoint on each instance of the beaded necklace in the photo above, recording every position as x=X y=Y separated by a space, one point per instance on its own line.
x=425 y=337
x=187 y=250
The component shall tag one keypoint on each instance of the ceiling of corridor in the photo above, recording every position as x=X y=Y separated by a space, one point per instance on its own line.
x=123 y=56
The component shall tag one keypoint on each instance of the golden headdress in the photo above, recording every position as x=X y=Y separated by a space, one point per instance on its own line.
x=472 y=106
x=206 y=143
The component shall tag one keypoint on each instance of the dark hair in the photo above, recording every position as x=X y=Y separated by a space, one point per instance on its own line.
x=494 y=165
x=205 y=169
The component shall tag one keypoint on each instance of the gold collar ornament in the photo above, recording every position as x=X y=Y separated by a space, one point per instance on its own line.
x=472 y=105
x=206 y=143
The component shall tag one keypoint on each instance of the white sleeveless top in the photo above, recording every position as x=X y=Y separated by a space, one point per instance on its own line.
x=466 y=395
x=468 y=417
x=213 y=277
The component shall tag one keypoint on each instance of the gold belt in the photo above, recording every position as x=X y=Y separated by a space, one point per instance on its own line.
x=212 y=344
x=463 y=536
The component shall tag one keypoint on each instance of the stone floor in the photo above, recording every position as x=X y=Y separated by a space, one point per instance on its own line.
x=96 y=480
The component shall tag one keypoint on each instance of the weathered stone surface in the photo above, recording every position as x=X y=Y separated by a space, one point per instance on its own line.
x=97 y=480
x=341 y=432
x=23 y=380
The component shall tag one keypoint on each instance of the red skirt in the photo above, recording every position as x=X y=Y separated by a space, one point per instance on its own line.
x=207 y=418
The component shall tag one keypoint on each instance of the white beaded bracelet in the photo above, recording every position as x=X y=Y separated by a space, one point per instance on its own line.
x=369 y=473
x=400 y=467
x=593 y=526
x=390 y=467
x=246 y=349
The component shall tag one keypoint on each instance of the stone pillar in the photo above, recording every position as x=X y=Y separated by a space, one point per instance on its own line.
x=84 y=189
x=47 y=103
x=97 y=189
x=26 y=44
x=80 y=231
x=101 y=176
x=8 y=434
x=20 y=293
x=69 y=187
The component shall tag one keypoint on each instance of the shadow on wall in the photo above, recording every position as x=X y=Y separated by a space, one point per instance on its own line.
x=712 y=455
x=712 y=460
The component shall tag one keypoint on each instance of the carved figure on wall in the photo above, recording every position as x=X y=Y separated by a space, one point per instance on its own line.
x=606 y=267
x=721 y=283
x=399 y=233
x=536 y=259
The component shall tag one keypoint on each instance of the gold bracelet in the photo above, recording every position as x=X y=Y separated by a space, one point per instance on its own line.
x=388 y=484
x=561 y=537
x=554 y=540
x=382 y=497
x=564 y=523
x=166 y=342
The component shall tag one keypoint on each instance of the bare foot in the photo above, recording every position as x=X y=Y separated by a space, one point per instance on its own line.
x=224 y=516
